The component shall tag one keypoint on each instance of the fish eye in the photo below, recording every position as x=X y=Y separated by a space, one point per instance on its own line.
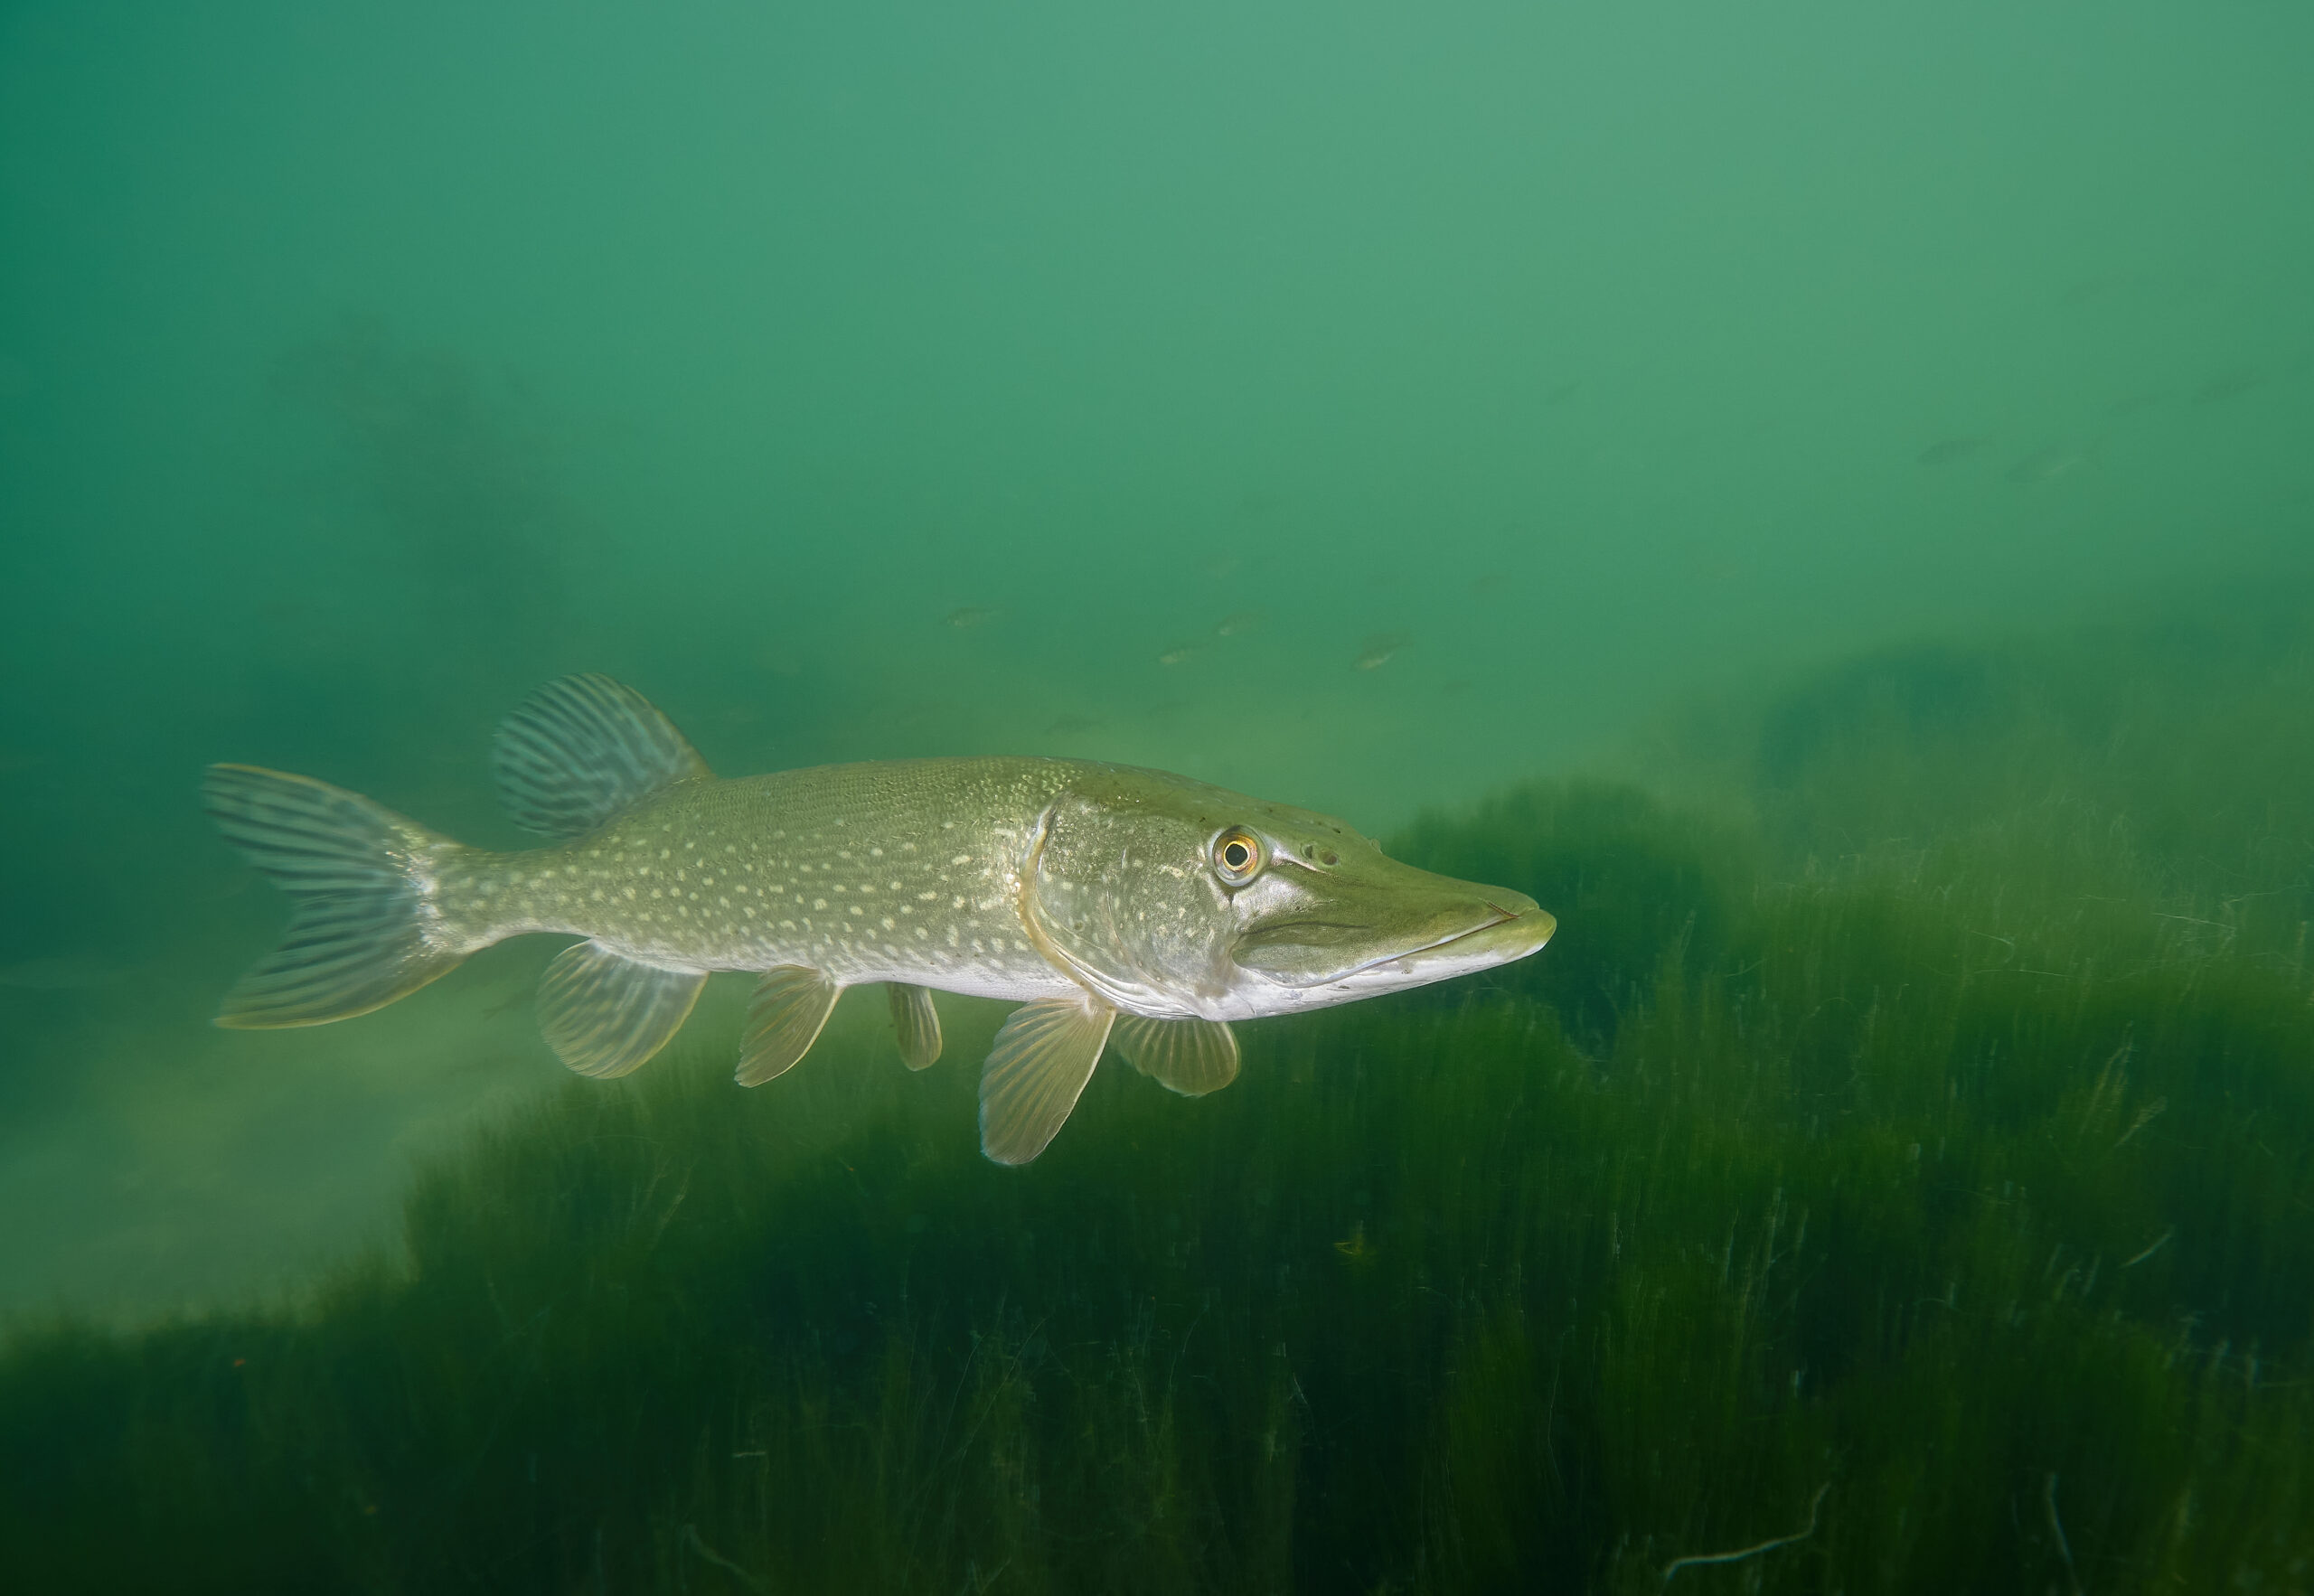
x=1237 y=856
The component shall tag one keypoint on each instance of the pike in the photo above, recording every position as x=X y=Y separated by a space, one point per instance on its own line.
x=1121 y=908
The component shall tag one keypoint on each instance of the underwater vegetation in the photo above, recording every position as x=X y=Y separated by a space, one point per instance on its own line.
x=1853 y=1197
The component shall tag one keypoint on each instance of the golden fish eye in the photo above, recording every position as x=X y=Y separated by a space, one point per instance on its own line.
x=1238 y=855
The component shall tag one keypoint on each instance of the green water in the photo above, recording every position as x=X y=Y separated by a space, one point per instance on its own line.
x=1818 y=497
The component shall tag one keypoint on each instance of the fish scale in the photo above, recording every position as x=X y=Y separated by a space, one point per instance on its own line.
x=900 y=871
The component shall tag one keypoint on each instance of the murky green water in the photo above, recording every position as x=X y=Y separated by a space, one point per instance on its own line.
x=1819 y=499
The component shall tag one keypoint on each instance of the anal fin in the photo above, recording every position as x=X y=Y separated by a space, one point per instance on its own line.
x=604 y=1013
x=791 y=1005
x=1036 y=1072
x=1190 y=1057
x=915 y=1022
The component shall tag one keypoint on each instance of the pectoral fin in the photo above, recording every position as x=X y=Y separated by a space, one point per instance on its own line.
x=1190 y=1057
x=604 y=1013
x=916 y=1022
x=791 y=1002
x=1034 y=1075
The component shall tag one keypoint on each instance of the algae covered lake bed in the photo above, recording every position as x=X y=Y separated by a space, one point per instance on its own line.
x=1928 y=1213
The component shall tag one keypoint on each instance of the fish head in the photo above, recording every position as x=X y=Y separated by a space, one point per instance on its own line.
x=1168 y=896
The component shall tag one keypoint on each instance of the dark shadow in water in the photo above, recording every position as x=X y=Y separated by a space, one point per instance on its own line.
x=453 y=480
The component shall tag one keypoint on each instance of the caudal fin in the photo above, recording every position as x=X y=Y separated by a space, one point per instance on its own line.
x=363 y=928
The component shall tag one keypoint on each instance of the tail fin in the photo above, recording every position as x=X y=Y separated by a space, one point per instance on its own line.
x=364 y=928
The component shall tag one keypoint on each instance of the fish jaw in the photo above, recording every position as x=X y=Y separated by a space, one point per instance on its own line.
x=1405 y=928
x=1506 y=941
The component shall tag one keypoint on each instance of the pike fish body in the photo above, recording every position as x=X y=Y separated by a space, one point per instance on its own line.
x=907 y=871
x=1123 y=908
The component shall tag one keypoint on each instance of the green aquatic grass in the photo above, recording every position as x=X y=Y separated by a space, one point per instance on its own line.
x=1889 y=1204
x=1902 y=1209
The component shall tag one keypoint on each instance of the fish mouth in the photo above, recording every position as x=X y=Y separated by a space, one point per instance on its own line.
x=1315 y=936
x=1541 y=922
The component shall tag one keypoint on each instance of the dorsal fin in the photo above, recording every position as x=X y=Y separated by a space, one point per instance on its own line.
x=582 y=748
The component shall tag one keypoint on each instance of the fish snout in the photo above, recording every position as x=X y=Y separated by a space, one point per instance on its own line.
x=1400 y=927
x=1519 y=925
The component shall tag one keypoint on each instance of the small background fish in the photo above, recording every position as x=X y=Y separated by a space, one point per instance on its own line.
x=1380 y=649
